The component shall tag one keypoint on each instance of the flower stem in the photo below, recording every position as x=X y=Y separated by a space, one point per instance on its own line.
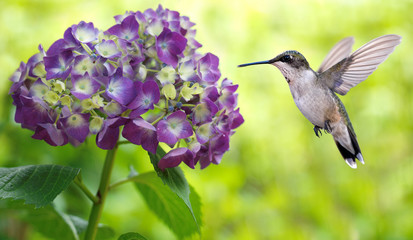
x=120 y=182
x=152 y=70
x=123 y=142
x=97 y=207
x=87 y=49
x=85 y=190
x=188 y=105
x=159 y=119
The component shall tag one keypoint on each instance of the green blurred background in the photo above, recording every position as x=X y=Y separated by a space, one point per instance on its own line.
x=279 y=181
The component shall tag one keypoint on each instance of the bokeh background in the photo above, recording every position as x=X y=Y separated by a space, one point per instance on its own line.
x=279 y=181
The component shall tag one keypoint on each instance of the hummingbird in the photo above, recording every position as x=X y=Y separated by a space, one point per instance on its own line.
x=314 y=92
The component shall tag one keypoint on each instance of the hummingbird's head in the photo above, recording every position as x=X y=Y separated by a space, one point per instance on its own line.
x=290 y=60
x=291 y=63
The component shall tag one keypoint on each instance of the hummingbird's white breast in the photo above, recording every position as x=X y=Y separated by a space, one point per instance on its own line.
x=313 y=98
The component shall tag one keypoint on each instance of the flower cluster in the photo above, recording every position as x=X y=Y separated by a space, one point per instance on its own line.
x=142 y=77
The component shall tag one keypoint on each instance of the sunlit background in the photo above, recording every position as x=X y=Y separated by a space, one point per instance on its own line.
x=278 y=181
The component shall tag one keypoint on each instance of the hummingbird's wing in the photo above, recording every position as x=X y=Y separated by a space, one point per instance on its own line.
x=340 y=51
x=358 y=66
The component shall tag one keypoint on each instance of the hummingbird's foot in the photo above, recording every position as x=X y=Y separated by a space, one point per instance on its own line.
x=317 y=130
x=327 y=127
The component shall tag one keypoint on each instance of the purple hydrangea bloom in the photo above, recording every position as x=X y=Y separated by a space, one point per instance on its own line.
x=120 y=88
x=84 y=86
x=208 y=68
x=83 y=64
x=204 y=111
x=204 y=132
x=108 y=49
x=58 y=66
x=140 y=132
x=173 y=128
x=147 y=94
x=51 y=134
x=169 y=45
x=85 y=32
x=32 y=111
x=77 y=126
x=213 y=151
x=127 y=30
x=145 y=74
x=175 y=157
x=109 y=135
x=187 y=71
x=68 y=42
x=228 y=98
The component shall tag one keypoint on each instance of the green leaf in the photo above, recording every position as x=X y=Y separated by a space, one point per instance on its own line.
x=131 y=236
x=47 y=220
x=52 y=223
x=104 y=232
x=170 y=208
x=175 y=179
x=36 y=184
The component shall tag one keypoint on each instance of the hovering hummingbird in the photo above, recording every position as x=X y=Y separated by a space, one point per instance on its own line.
x=314 y=92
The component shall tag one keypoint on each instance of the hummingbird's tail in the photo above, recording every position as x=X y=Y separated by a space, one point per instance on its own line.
x=347 y=154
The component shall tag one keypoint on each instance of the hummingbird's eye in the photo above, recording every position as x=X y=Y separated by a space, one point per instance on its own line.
x=286 y=58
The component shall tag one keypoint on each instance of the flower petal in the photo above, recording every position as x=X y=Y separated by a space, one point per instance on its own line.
x=77 y=126
x=208 y=68
x=128 y=29
x=85 y=32
x=140 y=132
x=174 y=157
x=120 y=88
x=84 y=86
x=109 y=135
x=204 y=112
x=164 y=135
x=108 y=49
x=58 y=66
x=50 y=134
x=168 y=45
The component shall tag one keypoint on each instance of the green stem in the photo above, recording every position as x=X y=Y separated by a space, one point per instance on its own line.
x=152 y=70
x=85 y=190
x=188 y=105
x=87 y=49
x=97 y=208
x=120 y=182
x=158 y=119
x=123 y=142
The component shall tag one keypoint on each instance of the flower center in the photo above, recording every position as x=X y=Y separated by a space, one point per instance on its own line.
x=173 y=125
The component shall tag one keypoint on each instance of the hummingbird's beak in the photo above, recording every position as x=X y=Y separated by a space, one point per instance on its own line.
x=255 y=63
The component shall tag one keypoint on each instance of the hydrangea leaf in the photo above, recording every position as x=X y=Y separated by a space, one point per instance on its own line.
x=182 y=219
x=131 y=236
x=52 y=223
x=104 y=231
x=176 y=181
x=47 y=220
x=35 y=184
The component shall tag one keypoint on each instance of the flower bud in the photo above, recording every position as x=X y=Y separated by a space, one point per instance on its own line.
x=169 y=91
x=167 y=75
x=95 y=125
x=51 y=97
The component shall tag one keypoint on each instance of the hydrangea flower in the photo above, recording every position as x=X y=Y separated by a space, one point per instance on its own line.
x=143 y=79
